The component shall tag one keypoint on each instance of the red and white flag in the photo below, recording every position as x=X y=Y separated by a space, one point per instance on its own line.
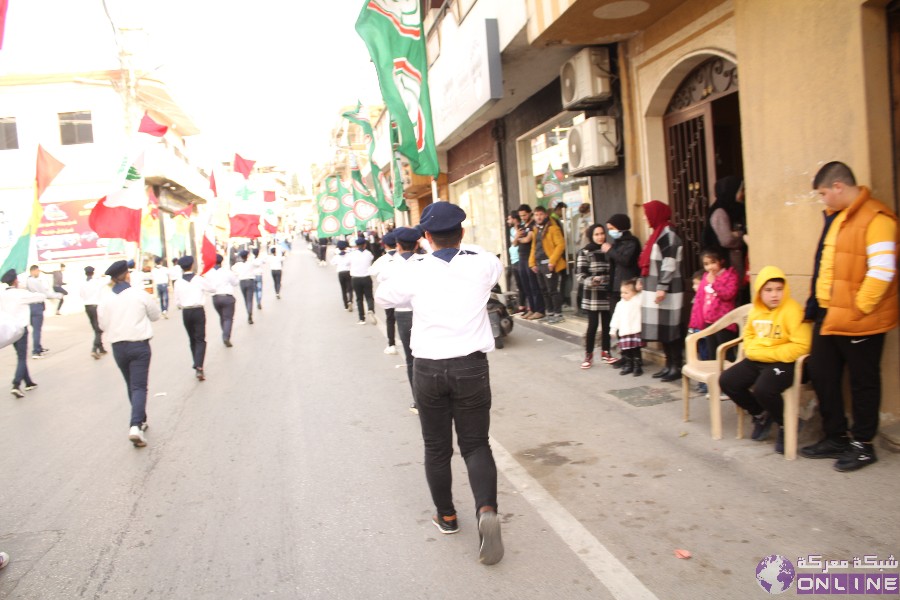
x=118 y=214
x=243 y=166
x=151 y=127
x=270 y=218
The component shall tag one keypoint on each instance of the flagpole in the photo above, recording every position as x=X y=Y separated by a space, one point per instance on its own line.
x=434 y=190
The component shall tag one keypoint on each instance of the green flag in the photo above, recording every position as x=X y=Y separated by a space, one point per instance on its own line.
x=399 y=201
x=393 y=34
x=364 y=206
x=385 y=210
x=335 y=215
x=550 y=188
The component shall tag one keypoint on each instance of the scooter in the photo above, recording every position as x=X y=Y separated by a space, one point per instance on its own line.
x=501 y=322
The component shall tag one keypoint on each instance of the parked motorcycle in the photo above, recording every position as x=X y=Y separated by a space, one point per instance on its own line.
x=501 y=321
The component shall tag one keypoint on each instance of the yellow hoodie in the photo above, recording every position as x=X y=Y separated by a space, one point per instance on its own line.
x=776 y=334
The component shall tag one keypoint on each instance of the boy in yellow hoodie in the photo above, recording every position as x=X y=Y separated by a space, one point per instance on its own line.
x=774 y=338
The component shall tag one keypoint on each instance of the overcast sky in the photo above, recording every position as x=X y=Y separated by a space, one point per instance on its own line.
x=263 y=78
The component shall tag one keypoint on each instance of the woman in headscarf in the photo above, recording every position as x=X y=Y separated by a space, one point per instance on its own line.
x=592 y=272
x=663 y=293
x=726 y=224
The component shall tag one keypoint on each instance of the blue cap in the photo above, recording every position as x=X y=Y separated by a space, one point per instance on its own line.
x=440 y=217
x=186 y=262
x=342 y=245
x=9 y=277
x=390 y=238
x=243 y=254
x=119 y=267
x=360 y=241
x=407 y=234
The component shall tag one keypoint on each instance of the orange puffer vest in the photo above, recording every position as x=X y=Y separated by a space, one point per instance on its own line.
x=850 y=266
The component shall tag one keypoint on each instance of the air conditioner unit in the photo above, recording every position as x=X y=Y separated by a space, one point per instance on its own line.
x=592 y=146
x=585 y=79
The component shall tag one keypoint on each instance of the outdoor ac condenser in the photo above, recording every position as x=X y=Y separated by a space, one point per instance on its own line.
x=585 y=79
x=592 y=146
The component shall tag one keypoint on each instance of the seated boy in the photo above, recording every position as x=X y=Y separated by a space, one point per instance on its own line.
x=774 y=338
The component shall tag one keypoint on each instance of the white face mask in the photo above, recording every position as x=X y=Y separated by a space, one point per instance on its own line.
x=615 y=234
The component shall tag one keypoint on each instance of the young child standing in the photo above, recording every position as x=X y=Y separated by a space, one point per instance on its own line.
x=626 y=324
x=715 y=298
x=774 y=338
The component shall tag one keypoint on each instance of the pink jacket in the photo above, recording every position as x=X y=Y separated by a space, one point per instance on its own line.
x=709 y=307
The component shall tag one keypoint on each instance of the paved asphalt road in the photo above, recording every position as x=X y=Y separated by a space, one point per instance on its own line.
x=295 y=471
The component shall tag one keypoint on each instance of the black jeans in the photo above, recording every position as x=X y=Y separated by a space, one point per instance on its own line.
x=91 y=310
x=248 y=288
x=224 y=305
x=595 y=318
x=404 y=328
x=549 y=285
x=133 y=359
x=362 y=287
x=21 y=346
x=528 y=278
x=276 y=280
x=456 y=391
x=391 y=321
x=862 y=357
x=346 y=288
x=768 y=380
x=37 y=323
x=194 y=319
x=60 y=290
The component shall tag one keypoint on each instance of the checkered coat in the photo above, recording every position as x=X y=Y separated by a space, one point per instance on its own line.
x=588 y=265
x=662 y=322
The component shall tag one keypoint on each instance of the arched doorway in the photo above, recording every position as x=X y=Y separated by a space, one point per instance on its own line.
x=703 y=144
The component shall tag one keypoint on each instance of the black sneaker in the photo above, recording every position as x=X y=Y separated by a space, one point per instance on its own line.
x=762 y=423
x=446 y=525
x=491 y=550
x=30 y=386
x=826 y=448
x=779 y=441
x=857 y=456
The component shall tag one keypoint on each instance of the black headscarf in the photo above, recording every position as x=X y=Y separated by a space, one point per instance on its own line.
x=589 y=234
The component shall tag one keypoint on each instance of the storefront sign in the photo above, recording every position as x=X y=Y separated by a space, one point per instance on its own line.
x=64 y=233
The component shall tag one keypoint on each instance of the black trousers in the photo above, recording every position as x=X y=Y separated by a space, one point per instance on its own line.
x=404 y=328
x=362 y=287
x=248 y=288
x=862 y=357
x=768 y=381
x=224 y=305
x=456 y=392
x=549 y=286
x=195 y=323
x=674 y=352
x=346 y=288
x=276 y=279
x=91 y=310
x=391 y=321
x=595 y=318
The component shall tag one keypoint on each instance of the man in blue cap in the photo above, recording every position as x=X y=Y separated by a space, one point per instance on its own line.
x=15 y=301
x=247 y=280
x=448 y=292
x=223 y=282
x=341 y=261
x=384 y=262
x=190 y=294
x=360 y=263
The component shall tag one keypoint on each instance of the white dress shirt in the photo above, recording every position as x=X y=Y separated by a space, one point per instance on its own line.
x=449 y=303
x=92 y=289
x=160 y=275
x=390 y=268
x=38 y=285
x=341 y=261
x=275 y=262
x=222 y=280
x=126 y=316
x=259 y=265
x=383 y=263
x=243 y=270
x=360 y=262
x=14 y=301
x=175 y=272
x=189 y=294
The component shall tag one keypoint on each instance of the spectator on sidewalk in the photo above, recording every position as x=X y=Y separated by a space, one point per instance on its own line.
x=548 y=262
x=663 y=289
x=626 y=324
x=622 y=251
x=91 y=291
x=774 y=338
x=715 y=297
x=524 y=242
x=853 y=303
x=593 y=275
x=513 y=222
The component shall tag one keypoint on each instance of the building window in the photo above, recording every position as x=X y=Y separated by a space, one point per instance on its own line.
x=9 y=136
x=479 y=195
x=76 y=128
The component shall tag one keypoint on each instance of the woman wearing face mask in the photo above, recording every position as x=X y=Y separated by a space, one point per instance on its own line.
x=622 y=251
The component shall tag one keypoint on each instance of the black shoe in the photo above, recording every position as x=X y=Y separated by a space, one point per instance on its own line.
x=250 y=320
x=638 y=367
x=857 y=456
x=228 y=344
x=200 y=375
x=826 y=448
x=627 y=366
x=446 y=525
x=30 y=386
x=762 y=423
x=673 y=375
x=662 y=372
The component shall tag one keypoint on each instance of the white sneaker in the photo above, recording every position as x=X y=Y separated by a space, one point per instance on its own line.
x=390 y=350
x=372 y=319
x=363 y=322
x=137 y=436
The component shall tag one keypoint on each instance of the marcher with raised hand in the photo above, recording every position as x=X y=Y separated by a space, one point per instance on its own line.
x=190 y=294
x=125 y=314
x=58 y=283
x=161 y=282
x=247 y=280
x=382 y=263
x=15 y=301
x=341 y=262
x=448 y=292
x=223 y=282
x=35 y=284
x=360 y=262
x=276 y=263
x=91 y=291
x=853 y=305
x=593 y=274
x=663 y=289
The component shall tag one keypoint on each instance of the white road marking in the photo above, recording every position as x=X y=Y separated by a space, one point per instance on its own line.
x=611 y=573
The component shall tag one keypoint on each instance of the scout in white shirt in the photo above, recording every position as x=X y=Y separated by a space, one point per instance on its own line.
x=247 y=280
x=91 y=290
x=223 y=282
x=160 y=278
x=448 y=293
x=341 y=261
x=15 y=301
x=360 y=262
x=384 y=262
x=275 y=264
x=125 y=314
x=190 y=293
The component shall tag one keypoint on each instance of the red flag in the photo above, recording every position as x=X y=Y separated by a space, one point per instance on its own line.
x=212 y=184
x=154 y=203
x=268 y=196
x=244 y=225
x=3 y=4
x=184 y=212
x=118 y=222
x=207 y=252
x=47 y=166
x=151 y=127
x=243 y=166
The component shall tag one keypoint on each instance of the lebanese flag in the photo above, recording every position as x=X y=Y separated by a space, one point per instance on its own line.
x=149 y=126
x=246 y=206
x=207 y=249
x=118 y=214
x=212 y=184
x=243 y=166
x=244 y=225
x=270 y=219
x=154 y=203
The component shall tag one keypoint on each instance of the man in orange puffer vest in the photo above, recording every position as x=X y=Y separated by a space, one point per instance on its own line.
x=853 y=303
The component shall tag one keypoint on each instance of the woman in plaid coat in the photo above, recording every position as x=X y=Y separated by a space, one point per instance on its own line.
x=592 y=271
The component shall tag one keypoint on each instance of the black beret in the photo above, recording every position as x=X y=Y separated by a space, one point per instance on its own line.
x=243 y=254
x=439 y=217
x=361 y=241
x=342 y=245
x=117 y=268
x=9 y=277
x=407 y=234
x=390 y=238
x=219 y=259
x=186 y=262
x=89 y=270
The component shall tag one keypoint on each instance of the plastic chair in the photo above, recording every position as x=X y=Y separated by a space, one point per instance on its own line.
x=793 y=398
x=708 y=371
